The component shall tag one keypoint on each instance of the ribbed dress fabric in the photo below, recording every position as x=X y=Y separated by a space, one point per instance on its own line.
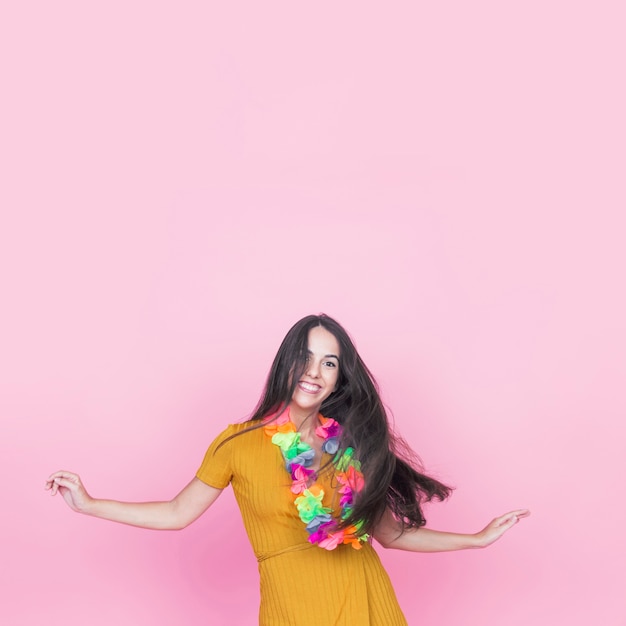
x=301 y=584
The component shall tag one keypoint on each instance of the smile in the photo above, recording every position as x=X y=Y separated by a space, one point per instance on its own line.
x=308 y=387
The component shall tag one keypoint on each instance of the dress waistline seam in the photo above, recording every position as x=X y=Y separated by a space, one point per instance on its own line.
x=270 y=555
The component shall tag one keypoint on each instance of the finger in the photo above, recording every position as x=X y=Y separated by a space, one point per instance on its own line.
x=513 y=519
x=519 y=513
x=65 y=482
x=510 y=519
x=504 y=521
x=64 y=474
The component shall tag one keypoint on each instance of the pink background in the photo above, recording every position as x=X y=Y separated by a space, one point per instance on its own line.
x=182 y=182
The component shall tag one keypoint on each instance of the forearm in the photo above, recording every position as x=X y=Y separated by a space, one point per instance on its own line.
x=427 y=540
x=389 y=534
x=174 y=514
x=154 y=515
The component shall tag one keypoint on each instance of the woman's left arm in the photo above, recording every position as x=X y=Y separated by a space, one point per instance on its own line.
x=389 y=534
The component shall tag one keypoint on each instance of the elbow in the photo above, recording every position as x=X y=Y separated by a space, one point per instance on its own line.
x=177 y=520
x=178 y=525
x=385 y=541
x=181 y=516
x=183 y=523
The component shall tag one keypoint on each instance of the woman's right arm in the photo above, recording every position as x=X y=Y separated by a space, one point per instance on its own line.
x=175 y=514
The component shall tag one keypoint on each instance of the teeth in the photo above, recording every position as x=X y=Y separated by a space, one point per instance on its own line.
x=309 y=387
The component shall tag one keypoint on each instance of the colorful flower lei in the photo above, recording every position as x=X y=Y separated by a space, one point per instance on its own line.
x=322 y=527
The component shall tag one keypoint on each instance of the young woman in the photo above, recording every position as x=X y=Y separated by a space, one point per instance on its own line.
x=317 y=474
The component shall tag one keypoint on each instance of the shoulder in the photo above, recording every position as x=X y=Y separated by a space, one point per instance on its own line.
x=232 y=432
x=222 y=460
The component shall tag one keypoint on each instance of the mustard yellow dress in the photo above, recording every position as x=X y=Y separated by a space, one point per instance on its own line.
x=301 y=584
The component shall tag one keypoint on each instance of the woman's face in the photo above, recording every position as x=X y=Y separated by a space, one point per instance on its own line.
x=321 y=371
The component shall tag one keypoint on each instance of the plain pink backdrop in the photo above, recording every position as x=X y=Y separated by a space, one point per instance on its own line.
x=182 y=182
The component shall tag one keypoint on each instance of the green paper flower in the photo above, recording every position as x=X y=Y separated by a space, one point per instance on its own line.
x=286 y=440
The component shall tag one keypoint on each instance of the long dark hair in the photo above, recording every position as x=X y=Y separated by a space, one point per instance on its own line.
x=394 y=477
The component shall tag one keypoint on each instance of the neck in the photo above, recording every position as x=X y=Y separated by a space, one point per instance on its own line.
x=304 y=421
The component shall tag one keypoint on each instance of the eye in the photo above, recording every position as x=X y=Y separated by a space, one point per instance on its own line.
x=330 y=364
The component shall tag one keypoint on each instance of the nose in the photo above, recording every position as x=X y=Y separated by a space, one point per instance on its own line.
x=312 y=368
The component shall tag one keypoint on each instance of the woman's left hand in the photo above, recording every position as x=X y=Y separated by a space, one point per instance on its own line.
x=493 y=531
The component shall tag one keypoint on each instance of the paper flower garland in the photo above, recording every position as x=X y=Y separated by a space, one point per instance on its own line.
x=320 y=524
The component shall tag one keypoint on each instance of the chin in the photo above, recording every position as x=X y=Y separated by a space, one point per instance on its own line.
x=306 y=404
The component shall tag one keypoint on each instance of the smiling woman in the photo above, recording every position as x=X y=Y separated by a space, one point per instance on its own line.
x=318 y=475
x=319 y=378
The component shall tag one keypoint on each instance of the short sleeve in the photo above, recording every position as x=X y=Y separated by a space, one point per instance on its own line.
x=216 y=469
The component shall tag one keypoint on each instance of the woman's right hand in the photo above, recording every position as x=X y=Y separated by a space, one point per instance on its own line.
x=71 y=488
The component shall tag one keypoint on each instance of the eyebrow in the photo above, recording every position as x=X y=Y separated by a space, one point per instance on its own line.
x=327 y=356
